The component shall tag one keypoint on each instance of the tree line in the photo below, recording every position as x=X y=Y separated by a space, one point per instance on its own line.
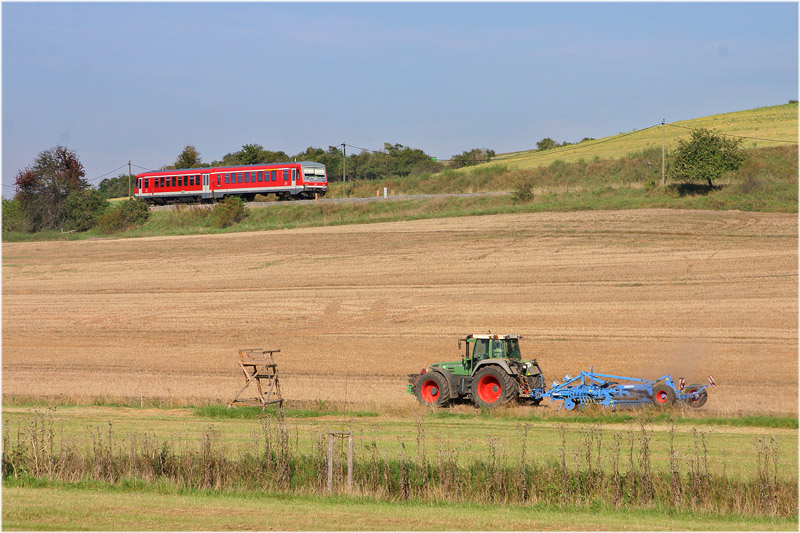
x=53 y=193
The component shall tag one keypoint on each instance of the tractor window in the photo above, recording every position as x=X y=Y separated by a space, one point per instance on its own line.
x=481 y=349
x=512 y=349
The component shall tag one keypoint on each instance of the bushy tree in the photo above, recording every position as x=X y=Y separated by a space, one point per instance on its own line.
x=228 y=212
x=13 y=217
x=116 y=187
x=188 y=158
x=251 y=154
x=472 y=157
x=546 y=144
x=43 y=190
x=706 y=156
x=125 y=215
x=84 y=208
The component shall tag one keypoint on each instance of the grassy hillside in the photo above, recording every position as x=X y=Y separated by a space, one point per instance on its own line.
x=761 y=127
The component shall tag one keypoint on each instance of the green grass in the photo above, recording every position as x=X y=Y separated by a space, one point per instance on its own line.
x=730 y=439
x=645 y=415
x=251 y=412
x=103 y=507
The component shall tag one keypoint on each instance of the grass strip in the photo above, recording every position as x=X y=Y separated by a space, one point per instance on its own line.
x=679 y=418
x=252 y=412
x=50 y=505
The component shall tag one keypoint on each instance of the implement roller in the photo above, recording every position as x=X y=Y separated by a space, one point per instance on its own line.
x=604 y=389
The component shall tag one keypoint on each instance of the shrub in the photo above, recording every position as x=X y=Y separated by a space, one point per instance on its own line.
x=228 y=212
x=13 y=216
x=125 y=215
x=523 y=190
x=84 y=207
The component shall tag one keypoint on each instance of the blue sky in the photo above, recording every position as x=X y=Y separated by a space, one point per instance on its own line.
x=139 y=81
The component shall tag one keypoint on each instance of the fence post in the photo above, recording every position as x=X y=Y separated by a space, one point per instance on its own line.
x=350 y=462
x=330 y=463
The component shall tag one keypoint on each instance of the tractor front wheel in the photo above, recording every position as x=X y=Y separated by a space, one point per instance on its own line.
x=663 y=395
x=492 y=386
x=432 y=389
x=702 y=396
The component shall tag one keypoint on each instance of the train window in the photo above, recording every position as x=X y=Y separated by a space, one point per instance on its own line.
x=285 y=174
x=274 y=175
x=180 y=181
x=161 y=182
x=260 y=176
x=247 y=177
x=197 y=179
x=241 y=176
x=217 y=180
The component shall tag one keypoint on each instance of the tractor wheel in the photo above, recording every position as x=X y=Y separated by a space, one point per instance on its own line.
x=432 y=389
x=492 y=386
x=663 y=395
x=699 y=402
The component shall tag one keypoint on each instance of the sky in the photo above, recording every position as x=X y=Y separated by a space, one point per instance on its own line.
x=139 y=81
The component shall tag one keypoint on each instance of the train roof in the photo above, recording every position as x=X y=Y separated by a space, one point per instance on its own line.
x=206 y=170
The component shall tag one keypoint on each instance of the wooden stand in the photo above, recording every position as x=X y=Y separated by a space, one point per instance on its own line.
x=341 y=435
x=259 y=367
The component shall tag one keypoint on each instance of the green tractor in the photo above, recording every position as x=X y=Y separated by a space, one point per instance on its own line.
x=491 y=373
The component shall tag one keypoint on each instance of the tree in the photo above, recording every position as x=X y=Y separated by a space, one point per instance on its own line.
x=43 y=190
x=546 y=144
x=706 y=156
x=188 y=158
x=116 y=187
x=472 y=157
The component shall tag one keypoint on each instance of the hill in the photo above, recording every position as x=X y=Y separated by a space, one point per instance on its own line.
x=760 y=129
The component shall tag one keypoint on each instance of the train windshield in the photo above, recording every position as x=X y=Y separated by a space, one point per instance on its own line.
x=314 y=173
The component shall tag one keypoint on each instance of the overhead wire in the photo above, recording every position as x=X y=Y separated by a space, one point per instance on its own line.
x=737 y=136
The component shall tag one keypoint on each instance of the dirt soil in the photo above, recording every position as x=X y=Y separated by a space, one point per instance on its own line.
x=354 y=309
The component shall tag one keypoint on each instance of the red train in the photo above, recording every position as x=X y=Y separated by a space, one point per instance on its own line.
x=301 y=179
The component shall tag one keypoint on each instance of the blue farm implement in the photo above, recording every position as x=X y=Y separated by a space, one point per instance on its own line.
x=605 y=389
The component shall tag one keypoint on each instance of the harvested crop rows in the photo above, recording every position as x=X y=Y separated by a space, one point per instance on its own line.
x=356 y=308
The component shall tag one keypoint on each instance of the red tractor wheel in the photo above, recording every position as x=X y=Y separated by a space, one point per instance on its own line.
x=432 y=389
x=702 y=396
x=663 y=395
x=492 y=386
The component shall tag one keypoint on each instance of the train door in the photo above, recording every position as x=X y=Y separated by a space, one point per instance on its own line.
x=206 y=187
x=294 y=177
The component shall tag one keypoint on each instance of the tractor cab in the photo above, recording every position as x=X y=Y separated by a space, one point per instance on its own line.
x=491 y=346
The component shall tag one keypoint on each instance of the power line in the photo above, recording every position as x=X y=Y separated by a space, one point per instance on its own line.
x=738 y=136
x=107 y=173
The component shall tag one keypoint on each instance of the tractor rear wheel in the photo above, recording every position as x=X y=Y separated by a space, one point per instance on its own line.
x=492 y=386
x=663 y=395
x=701 y=400
x=432 y=389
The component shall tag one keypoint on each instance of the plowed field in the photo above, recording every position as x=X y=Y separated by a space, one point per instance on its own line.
x=356 y=308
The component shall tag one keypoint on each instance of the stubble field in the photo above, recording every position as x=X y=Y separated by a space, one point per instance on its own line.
x=354 y=309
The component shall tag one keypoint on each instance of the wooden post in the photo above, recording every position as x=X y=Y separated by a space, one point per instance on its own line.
x=330 y=463
x=350 y=463
x=331 y=436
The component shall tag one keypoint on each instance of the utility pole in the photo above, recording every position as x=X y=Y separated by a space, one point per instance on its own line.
x=129 y=178
x=663 y=153
x=344 y=174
